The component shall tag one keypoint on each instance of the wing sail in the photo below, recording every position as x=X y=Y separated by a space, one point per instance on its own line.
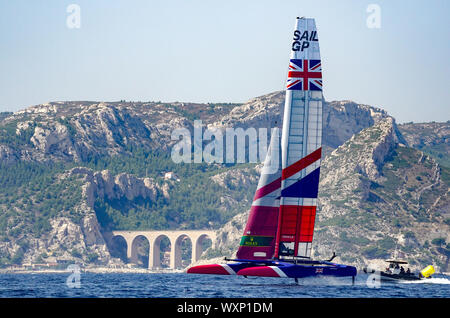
x=301 y=144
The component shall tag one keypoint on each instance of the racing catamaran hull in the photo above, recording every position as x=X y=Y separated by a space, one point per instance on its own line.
x=291 y=270
x=273 y=268
x=219 y=269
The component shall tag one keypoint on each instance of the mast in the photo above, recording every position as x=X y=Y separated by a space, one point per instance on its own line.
x=300 y=144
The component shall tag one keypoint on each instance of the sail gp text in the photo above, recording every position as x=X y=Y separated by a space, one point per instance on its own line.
x=301 y=39
x=225 y=307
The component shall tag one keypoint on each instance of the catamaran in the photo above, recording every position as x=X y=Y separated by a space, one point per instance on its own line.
x=279 y=232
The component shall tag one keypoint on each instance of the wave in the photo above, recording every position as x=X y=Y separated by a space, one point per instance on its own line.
x=434 y=280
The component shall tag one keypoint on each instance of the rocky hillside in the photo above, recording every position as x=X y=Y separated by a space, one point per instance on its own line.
x=341 y=119
x=71 y=172
x=432 y=138
x=83 y=131
x=80 y=131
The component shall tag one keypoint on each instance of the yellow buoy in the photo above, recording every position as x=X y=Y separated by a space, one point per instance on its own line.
x=427 y=271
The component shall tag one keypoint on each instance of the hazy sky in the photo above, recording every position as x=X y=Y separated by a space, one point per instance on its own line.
x=224 y=51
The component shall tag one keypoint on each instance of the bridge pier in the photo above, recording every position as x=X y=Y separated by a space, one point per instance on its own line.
x=129 y=250
x=154 y=239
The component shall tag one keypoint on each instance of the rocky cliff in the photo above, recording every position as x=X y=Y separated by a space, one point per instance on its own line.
x=431 y=138
x=74 y=232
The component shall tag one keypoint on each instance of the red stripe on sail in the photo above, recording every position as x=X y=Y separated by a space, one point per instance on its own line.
x=293 y=83
x=305 y=224
x=268 y=188
x=296 y=224
x=301 y=164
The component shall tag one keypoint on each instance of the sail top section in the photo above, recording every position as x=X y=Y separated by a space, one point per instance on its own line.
x=305 y=43
x=305 y=67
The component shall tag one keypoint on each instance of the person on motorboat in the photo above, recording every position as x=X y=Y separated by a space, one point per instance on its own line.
x=390 y=269
x=396 y=269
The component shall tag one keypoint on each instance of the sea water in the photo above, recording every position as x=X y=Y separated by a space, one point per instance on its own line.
x=181 y=285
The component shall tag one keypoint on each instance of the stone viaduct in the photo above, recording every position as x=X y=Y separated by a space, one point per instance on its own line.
x=154 y=239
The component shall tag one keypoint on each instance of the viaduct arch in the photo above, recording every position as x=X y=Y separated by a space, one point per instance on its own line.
x=175 y=237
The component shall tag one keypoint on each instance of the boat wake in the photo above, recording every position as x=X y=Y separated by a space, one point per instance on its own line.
x=307 y=281
x=436 y=280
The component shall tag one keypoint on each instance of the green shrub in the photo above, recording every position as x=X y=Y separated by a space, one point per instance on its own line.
x=75 y=253
x=374 y=251
x=18 y=257
x=439 y=241
x=92 y=257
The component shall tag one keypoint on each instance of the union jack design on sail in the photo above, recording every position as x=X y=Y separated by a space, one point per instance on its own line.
x=304 y=75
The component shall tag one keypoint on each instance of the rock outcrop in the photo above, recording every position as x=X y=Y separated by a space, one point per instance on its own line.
x=68 y=241
x=7 y=155
x=102 y=184
x=341 y=119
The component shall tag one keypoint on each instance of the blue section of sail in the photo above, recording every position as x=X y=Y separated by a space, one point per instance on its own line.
x=308 y=187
